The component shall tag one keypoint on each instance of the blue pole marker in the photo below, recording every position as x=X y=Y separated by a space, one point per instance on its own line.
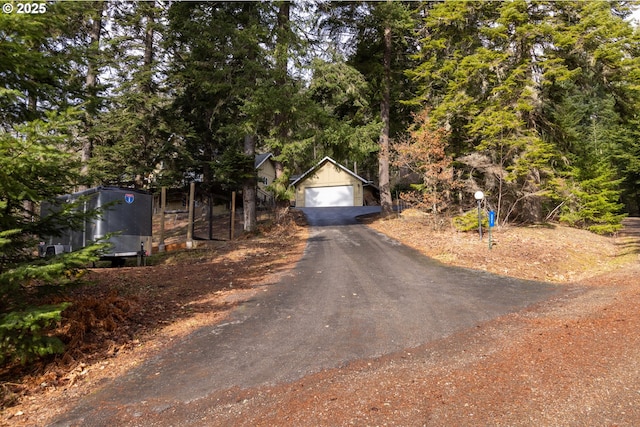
x=492 y=223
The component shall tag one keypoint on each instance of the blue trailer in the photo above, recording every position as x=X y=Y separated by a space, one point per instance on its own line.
x=126 y=212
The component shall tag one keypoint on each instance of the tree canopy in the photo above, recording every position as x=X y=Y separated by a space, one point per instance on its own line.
x=535 y=96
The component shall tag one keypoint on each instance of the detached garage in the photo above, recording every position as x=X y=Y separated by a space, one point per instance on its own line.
x=329 y=184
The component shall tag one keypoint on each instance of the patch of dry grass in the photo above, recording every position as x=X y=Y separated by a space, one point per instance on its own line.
x=551 y=252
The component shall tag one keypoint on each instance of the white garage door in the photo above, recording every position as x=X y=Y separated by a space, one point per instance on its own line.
x=317 y=197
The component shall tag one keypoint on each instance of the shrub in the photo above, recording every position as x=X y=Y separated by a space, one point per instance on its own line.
x=23 y=334
x=468 y=221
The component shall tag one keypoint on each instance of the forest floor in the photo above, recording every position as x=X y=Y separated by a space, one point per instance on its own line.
x=569 y=361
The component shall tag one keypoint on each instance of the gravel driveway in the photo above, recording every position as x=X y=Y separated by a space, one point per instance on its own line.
x=355 y=294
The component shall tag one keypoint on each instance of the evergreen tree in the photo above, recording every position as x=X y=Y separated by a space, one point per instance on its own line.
x=500 y=75
x=626 y=157
x=380 y=48
x=347 y=128
x=594 y=202
x=592 y=100
x=278 y=105
x=92 y=100
x=135 y=133
x=38 y=54
x=217 y=62
x=34 y=169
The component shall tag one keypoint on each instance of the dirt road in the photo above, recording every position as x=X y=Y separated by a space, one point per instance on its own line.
x=355 y=294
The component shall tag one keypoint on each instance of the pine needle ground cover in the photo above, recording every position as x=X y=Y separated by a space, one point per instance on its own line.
x=129 y=314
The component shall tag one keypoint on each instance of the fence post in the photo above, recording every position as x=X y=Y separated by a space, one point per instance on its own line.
x=192 y=190
x=163 y=207
x=233 y=215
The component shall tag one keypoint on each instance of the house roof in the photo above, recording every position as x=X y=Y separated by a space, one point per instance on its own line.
x=261 y=158
x=320 y=164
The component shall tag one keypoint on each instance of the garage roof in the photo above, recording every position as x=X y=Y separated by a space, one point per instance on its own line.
x=320 y=164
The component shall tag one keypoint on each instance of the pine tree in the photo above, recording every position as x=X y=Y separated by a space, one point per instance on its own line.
x=91 y=87
x=37 y=57
x=380 y=49
x=135 y=133
x=34 y=169
x=217 y=62
x=393 y=23
x=594 y=201
x=40 y=58
x=347 y=128
x=501 y=77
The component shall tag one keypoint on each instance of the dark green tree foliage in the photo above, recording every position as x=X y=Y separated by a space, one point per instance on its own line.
x=517 y=84
x=593 y=102
x=592 y=204
x=292 y=136
x=382 y=40
x=217 y=63
x=34 y=169
x=627 y=158
x=91 y=93
x=368 y=56
x=52 y=62
x=347 y=128
x=136 y=132
x=37 y=55
x=591 y=136
x=281 y=113
x=281 y=130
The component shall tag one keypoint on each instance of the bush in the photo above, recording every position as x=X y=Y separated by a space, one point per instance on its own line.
x=23 y=334
x=468 y=221
x=594 y=203
x=605 y=228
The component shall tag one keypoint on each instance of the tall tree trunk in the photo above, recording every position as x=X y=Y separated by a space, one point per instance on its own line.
x=249 y=187
x=148 y=45
x=383 y=156
x=282 y=57
x=147 y=64
x=91 y=87
x=283 y=35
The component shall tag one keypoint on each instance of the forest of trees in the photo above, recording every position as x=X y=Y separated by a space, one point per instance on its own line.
x=536 y=103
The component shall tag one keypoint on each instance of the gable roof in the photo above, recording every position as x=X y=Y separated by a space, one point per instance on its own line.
x=260 y=159
x=322 y=163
